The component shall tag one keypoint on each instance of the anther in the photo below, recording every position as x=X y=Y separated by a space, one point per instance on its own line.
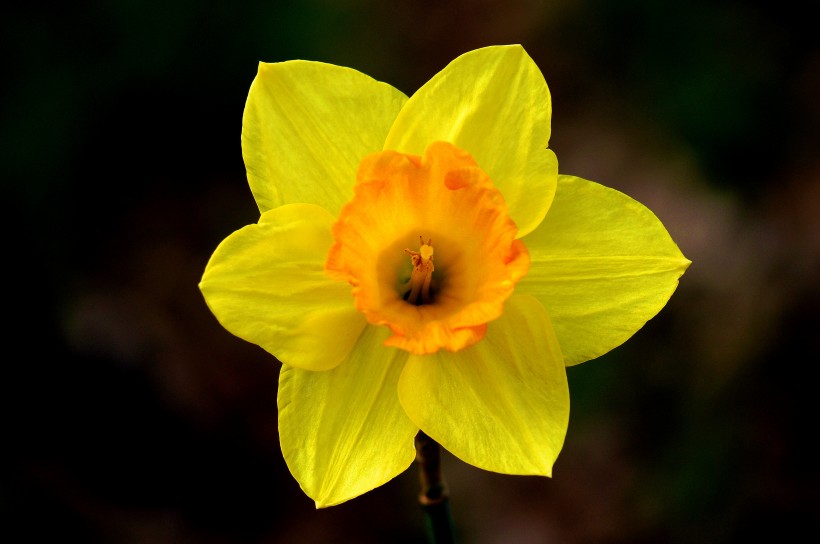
x=422 y=273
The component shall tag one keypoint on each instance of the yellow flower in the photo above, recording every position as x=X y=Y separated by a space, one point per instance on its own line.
x=406 y=271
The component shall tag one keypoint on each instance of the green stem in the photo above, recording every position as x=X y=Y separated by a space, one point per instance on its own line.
x=434 y=497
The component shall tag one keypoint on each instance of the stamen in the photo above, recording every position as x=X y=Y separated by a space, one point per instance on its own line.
x=422 y=273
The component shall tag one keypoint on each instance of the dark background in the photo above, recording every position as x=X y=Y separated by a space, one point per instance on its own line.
x=130 y=416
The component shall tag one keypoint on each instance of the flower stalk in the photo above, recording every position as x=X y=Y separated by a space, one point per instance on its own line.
x=434 y=498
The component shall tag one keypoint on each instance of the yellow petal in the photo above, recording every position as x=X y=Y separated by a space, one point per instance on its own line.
x=266 y=284
x=306 y=127
x=494 y=104
x=502 y=404
x=602 y=265
x=343 y=432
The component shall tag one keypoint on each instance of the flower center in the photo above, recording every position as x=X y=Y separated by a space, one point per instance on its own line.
x=422 y=273
x=478 y=260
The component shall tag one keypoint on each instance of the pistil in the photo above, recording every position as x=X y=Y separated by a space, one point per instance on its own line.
x=422 y=273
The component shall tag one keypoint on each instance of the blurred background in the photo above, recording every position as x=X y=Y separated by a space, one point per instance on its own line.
x=131 y=416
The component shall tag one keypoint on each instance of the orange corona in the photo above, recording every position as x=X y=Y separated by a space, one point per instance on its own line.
x=477 y=258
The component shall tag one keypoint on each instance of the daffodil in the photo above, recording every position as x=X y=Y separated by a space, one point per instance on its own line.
x=419 y=264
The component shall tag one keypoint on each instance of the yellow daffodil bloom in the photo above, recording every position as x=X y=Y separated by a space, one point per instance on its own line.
x=419 y=264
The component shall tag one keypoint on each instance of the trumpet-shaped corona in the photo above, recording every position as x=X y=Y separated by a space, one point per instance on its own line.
x=478 y=259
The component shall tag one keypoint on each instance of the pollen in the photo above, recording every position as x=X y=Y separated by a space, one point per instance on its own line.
x=422 y=274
